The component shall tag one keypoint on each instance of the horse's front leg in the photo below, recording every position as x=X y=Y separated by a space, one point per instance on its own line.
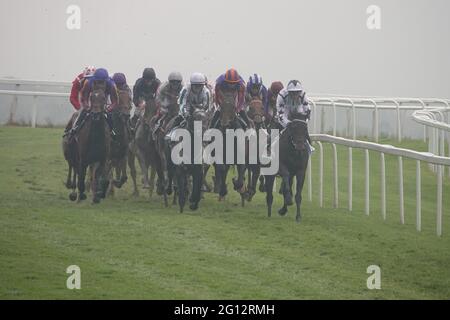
x=132 y=166
x=298 y=195
x=286 y=193
x=197 y=181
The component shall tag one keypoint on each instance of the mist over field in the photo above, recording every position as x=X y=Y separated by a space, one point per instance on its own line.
x=325 y=44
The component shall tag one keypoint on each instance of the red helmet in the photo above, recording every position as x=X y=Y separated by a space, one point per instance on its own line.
x=276 y=87
x=232 y=76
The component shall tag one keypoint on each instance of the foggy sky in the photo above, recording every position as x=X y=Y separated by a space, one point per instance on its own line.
x=325 y=44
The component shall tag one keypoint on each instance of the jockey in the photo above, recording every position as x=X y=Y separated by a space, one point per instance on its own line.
x=167 y=95
x=230 y=82
x=124 y=93
x=194 y=96
x=77 y=85
x=100 y=76
x=293 y=100
x=272 y=95
x=144 y=89
x=256 y=90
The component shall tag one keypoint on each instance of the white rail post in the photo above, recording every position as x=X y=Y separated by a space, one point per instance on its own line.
x=335 y=177
x=334 y=118
x=375 y=124
x=399 y=129
x=439 y=201
x=14 y=106
x=350 y=179
x=383 y=186
x=400 y=189
x=34 y=113
x=320 y=174
x=367 y=183
x=314 y=115
x=310 y=179
x=418 y=198
x=354 y=119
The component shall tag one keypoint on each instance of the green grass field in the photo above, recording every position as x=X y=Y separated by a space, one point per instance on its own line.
x=134 y=248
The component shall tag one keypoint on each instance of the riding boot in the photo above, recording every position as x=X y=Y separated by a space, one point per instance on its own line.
x=244 y=117
x=109 y=121
x=78 y=123
x=215 y=119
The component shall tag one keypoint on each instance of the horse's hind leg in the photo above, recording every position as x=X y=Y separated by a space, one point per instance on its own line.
x=269 y=193
x=197 y=182
x=262 y=187
x=298 y=195
x=132 y=167
x=81 y=184
x=69 y=177
x=152 y=181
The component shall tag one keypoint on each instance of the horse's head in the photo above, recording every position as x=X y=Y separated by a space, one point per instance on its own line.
x=256 y=112
x=297 y=132
x=227 y=110
x=199 y=115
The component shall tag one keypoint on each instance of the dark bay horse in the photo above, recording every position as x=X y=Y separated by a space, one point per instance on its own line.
x=229 y=120
x=93 y=147
x=142 y=145
x=195 y=170
x=119 y=150
x=255 y=113
x=160 y=149
x=293 y=156
x=70 y=152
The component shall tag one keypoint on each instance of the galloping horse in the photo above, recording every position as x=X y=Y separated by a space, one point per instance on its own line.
x=160 y=149
x=142 y=147
x=69 y=147
x=294 y=158
x=256 y=114
x=93 y=147
x=119 y=150
x=184 y=171
x=228 y=120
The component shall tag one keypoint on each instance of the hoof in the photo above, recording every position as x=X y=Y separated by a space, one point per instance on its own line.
x=82 y=197
x=262 y=188
x=73 y=196
x=221 y=198
x=289 y=200
x=193 y=206
x=135 y=193
x=96 y=200
x=269 y=213
x=169 y=191
x=146 y=186
x=282 y=211
x=298 y=218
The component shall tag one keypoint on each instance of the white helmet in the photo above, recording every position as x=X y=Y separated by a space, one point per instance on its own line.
x=175 y=76
x=294 y=85
x=88 y=71
x=198 y=78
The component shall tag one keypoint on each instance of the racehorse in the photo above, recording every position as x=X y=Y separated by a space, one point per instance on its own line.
x=142 y=147
x=256 y=114
x=93 y=147
x=293 y=156
x=160 y=149
x=119 y=150
x=229 y=120
x=71 y=155
x=195 y=170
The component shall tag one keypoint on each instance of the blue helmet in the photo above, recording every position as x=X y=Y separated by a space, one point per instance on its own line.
x=255 y=79
x=101 y=74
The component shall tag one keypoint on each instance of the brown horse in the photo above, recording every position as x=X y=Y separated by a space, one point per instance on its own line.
x=255 y=113
x=229 y=120
x=293 y=158
x=142 y=147
x=70 y=154
x=160 y=149
x=93 y=147
x=117 y=163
